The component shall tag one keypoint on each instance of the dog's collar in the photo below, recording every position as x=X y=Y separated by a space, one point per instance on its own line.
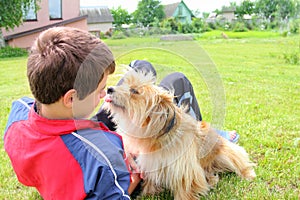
x=170 y=125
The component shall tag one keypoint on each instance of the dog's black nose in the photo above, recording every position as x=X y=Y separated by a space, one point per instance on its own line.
x=110 y=90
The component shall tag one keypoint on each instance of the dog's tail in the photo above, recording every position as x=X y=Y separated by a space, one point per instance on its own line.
x=234 y=158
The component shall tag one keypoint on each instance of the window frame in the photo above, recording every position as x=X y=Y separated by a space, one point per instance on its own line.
x=31 y=12
x=180 y=10
x=60 y=11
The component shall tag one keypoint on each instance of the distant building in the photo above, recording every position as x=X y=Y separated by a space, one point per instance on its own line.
x=99 y=19
x=228 y=13
x=179 y=11
x=52 y=13
x=211 y=17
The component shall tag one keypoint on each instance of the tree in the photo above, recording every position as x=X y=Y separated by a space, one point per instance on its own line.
x=205 y=15
x=247 y=7
x=147 y=11
x=266 y=8
x=297 y=10
x=287 y=8
x=281 y=8
x=121 y=16
x=218 y=12
x=12 y=13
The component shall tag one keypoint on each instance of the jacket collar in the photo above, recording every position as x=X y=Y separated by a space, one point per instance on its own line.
x=55 y=127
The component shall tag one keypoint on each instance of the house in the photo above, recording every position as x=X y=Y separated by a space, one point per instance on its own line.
x=99 y=19
x=179 y=11
x=51 y=13
x=212 y=17
x=228 y=13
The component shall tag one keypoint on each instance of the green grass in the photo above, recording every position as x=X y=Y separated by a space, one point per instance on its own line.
x=243 y=84
x=239 y=35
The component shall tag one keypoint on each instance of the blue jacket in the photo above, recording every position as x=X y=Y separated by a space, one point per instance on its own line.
x=65 y=159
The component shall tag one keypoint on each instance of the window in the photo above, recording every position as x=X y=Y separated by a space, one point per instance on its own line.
x=29 y=13
x=179 y=10
x=55 y=9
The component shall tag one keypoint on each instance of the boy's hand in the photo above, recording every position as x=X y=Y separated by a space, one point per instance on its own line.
x=136 y=175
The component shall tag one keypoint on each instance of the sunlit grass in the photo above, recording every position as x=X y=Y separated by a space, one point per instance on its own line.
x=239 y=35
x=262 y=103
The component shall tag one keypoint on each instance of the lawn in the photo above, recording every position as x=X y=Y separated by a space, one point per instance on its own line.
x=243 y=83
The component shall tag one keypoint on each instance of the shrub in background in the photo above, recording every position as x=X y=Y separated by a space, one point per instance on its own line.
x=8 y=52
x=198 y=25
x=187 y=28
x=103 y=35
x=118 y=35
x=240 y=27
x=212 y=26
x=295 y=26
x=159 y=31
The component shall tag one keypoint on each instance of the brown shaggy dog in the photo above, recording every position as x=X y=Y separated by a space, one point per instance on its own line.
x=173 y=150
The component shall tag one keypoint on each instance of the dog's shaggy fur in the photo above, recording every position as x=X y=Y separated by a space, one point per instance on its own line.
x=173 y=150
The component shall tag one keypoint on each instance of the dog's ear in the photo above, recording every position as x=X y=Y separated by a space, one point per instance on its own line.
x=165 y=101
x=165 y=97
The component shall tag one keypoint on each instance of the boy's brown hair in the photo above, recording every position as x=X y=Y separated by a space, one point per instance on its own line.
x=64 y=58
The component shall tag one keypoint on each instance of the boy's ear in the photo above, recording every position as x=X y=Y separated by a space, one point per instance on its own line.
x=68 y=98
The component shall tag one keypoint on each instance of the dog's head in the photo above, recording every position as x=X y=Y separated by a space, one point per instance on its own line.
x=141 y=108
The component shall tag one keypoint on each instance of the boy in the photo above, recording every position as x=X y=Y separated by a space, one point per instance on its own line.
x=51 y=144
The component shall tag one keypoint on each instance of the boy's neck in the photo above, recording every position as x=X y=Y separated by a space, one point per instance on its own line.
x=54 y=111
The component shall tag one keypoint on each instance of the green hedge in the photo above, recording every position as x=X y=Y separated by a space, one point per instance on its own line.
x=8 y=52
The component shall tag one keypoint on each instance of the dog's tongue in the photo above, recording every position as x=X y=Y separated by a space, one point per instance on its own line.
x=108 y=99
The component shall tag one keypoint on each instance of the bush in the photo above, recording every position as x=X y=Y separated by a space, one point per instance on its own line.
x=240 y=27
x=103 y=36
x=8 y=52
x=205 y=28
x=170 y=24
x=159 y=31
x=118 y=35
x=273 y=25
x=295 y=26
x=212 y=26
x=198 y=25
x=187 y=28
x=292 y=58
x=250 y=25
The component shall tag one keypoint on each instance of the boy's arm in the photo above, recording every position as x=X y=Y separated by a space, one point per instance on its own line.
x=105 y=174
x=135 y=180
x=19 y=111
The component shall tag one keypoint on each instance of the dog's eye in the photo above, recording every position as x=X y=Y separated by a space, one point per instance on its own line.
x=133 y=91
